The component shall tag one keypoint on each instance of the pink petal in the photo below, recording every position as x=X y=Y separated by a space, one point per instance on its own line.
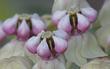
x=37 y=26
x=61 y=34
x=23 y=31
x=9 y=26
x=90 y=13
x=64 y=24
x=60 y=45
x=57 y=16
x=83 y=23
x=43 y=50
x=2 y=34
x=32 y=44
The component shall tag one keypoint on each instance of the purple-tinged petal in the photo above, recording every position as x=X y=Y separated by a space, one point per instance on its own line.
x=64 y=24
x=9 y=26
x=61 y=34
x=83 y=23
x=90 y=13
x=32 y=44
x=2 y=34
x=23 y=31
x=37 y=26
x=43 y=50
x=60 y=45
x=57 y=16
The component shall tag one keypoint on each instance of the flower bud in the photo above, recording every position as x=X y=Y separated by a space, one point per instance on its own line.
x=57 y=16
x=9 y=26
x=83 y=23
x=2 y=34
x=90 y=13
x=62 y=34
x=23 y=31
x=37 y=26
x=32 y=44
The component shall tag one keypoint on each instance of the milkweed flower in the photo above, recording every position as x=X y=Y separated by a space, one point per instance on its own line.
x=47 y=45
x=24 y=26
x=71 y=22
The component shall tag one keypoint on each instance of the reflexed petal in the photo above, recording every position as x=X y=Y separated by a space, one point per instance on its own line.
x=90 y=48
x=23 y=31
x=73 y=53
x=52 y=64
x=104 y=15
x=103 y=36
x=103 y=63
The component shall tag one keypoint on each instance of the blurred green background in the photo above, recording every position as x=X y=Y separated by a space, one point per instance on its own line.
x=10 y=7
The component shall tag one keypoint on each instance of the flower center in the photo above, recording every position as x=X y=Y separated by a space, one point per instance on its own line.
x=24 y=16
x=73 y=20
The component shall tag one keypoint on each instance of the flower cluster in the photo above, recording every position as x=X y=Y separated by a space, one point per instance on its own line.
x=48 y=45
x=74 y=22
x=40 y=40
x=24 y=26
